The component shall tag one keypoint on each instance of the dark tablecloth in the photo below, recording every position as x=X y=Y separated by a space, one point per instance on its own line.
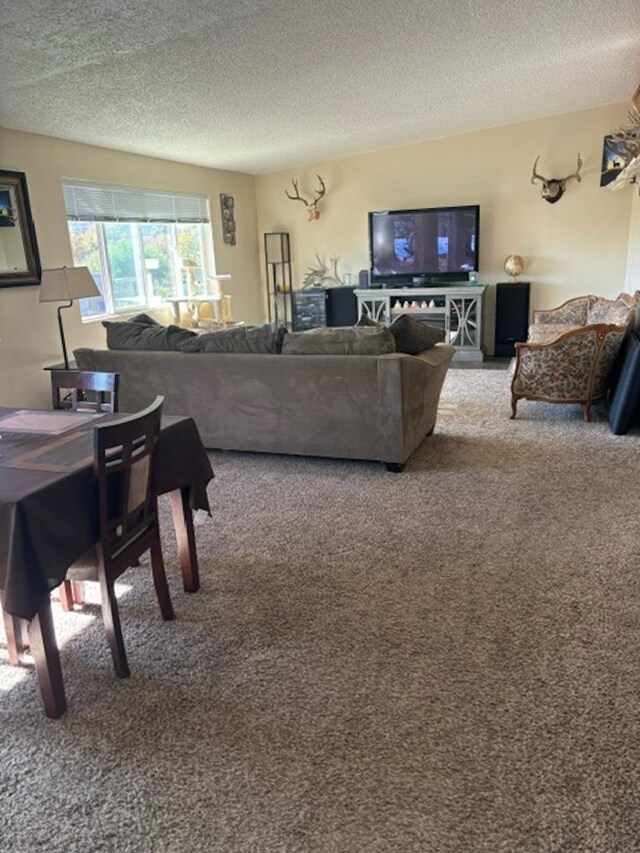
x=49 y=501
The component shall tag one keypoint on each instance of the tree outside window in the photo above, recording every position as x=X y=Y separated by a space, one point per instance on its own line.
x=138 y=265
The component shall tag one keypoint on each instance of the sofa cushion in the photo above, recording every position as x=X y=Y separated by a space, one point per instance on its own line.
x=350 y=340
x=145 y=319
x=614 y=312
x=412 y=336
x=140 y=336
x=620 y=314
x=632 y=300
x=256 y=339
x=366 y=320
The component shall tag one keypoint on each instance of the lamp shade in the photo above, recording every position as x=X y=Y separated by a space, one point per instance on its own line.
x=66 y=284
x=276 y=247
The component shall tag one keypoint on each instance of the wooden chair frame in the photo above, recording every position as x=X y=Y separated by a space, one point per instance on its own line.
x=128 y=506
x=106 y=389
x=586 y=400
x=104 y=385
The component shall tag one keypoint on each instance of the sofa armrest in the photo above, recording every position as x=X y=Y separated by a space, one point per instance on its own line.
x=558 y=369
x=423 y=376
x=84 y=358
x=436 y=356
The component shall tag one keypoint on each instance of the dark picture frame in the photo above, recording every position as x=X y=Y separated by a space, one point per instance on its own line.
x=614 y=159
x=16 y=214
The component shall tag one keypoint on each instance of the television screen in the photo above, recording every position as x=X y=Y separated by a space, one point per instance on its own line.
x=439 y=242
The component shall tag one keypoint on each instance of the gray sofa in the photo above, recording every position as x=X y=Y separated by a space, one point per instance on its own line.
x=377 y=407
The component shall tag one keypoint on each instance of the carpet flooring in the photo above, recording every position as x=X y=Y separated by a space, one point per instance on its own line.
x=444 y=660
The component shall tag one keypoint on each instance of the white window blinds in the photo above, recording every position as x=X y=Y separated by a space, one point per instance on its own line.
x=105 y=203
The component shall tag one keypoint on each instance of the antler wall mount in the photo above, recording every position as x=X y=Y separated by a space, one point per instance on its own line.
x=628 y=141
x=553 y=188
x=312 y=206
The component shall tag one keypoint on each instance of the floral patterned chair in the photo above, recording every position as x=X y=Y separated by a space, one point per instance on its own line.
x=589 y=310
x=571 y=350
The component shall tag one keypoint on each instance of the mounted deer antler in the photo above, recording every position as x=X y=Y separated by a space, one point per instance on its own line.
x=553 y=188
x=628 y=136
x=626 y=141
x=323 y=272
x=312 y=206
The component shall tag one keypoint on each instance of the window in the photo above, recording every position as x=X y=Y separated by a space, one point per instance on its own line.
x=141 y=246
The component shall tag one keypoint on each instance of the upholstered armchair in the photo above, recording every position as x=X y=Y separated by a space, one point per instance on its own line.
x=571 y=349
x=590 y=310
x=571 y=366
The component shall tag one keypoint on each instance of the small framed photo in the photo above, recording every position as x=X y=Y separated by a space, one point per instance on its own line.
x=7 y=208
x=614 y=159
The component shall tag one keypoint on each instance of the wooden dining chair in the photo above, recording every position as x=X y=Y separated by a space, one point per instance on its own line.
x=68 y=392
x=69 y=387
x=128 y=505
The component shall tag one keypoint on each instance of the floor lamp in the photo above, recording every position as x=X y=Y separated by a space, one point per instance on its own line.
x=277 y=261
x=66 y=284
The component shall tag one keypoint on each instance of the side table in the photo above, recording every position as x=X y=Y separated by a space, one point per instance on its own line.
x=61 y=366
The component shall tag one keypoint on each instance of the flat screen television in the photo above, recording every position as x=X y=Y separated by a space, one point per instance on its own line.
x=428 y=246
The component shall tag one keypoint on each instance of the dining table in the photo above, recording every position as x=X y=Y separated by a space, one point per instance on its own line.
x=49 y=518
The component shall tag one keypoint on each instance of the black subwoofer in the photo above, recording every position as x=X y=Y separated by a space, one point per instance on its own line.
x=512 y=316
x=342 y=306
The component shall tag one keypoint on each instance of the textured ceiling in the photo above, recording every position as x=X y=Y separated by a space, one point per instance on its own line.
x=259 y=85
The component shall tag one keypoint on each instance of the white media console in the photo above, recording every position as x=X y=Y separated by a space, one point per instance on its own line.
x=457 y=309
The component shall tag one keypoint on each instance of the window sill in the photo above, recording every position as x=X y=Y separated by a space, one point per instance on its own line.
x=122 y=315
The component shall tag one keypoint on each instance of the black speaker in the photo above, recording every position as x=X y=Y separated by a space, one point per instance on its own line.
x=363 y=279
x=342 y=306
x=512 y=316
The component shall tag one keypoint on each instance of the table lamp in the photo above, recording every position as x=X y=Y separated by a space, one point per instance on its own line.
x=66 y=284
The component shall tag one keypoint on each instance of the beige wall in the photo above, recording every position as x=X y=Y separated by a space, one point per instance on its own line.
x=588 y=242
x=12 y=257
x=28 y=330
x=576 y=246
x=633 y=255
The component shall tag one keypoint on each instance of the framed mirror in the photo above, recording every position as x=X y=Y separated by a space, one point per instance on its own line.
x=19 y=257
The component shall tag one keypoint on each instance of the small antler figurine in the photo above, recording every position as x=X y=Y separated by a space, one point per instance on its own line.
x=312 y=206
x=323 y=272
x=553 y=188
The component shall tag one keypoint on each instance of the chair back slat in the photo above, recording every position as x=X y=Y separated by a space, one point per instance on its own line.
x=68 y=389
x=123 y=461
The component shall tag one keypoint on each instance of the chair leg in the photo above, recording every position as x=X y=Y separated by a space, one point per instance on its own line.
x=46 y=657
x=77 y=588
x=586 y=409
x=65 y=592
x=160 y=580
x=514 y=406
x=13 y=630
x=185 y=536
x=111 y=619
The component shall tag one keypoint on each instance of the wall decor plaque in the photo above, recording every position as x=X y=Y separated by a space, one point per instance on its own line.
x=227 y=209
